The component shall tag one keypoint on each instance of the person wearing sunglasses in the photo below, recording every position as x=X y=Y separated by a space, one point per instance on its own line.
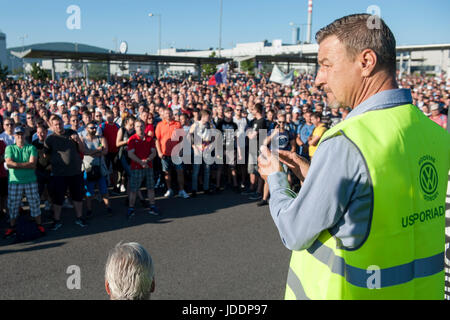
x=7 y=136
x=95 y=170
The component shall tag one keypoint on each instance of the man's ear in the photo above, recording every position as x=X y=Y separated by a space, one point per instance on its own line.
x=368 y=61
x=108 y=290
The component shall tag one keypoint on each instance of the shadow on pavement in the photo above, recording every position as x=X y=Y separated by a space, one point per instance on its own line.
x=38 y=247
x=171 y=209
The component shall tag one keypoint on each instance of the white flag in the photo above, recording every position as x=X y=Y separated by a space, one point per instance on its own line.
x=281 y=78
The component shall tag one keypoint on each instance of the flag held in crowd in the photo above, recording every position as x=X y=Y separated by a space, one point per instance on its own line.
x=279 y=77
x=220 y=76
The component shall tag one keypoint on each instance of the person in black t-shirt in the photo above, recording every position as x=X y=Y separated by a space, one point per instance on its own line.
x=43 y=167
x=30 y=127
x=256 y=135
x=65 y=149
x=335 y=116
x=229 y=130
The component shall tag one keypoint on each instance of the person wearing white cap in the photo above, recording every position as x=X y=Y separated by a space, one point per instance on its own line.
x=52 y=106
x=61 y=108
x=16 y=117
x=74 y=111
x=296 y=117
x=436 y=116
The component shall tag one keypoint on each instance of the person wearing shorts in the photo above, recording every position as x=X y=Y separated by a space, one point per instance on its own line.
x=229 y=130
x=95 y=150
x=21 y=160
x=64 y=148
x=141 y=151
x=165 y=131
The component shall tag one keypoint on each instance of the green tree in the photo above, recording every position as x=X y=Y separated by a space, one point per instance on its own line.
x=209 y=69
x=38 y=73
x=248 y=66
x=3 y=72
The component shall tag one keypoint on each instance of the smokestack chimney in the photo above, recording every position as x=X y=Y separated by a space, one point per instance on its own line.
x=308 y=32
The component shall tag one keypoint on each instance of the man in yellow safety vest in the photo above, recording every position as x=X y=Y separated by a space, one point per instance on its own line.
x=368 y=222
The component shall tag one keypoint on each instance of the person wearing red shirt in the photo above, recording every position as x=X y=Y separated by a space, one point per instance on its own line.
x=186 y=111
x=141 y=151
x=164 y=132
x=110 y=130
x=144 y=115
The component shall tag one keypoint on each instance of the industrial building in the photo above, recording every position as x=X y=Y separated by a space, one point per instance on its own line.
x=302 y=56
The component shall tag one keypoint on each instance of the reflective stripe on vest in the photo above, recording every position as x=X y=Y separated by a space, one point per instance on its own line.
x=405 y=252
x=295 y=285
x=389 y=276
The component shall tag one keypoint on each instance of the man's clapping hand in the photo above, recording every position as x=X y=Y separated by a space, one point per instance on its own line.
x=298 y=164
x=268 y=163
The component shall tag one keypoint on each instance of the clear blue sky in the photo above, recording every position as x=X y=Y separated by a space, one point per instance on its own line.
x=195 y=23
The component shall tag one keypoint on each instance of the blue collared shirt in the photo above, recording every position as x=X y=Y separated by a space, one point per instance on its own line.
x=336 y=194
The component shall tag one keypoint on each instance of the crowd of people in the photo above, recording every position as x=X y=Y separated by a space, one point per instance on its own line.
x=66 y=142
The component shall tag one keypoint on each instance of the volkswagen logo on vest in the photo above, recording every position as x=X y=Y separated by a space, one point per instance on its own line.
x=428 y=177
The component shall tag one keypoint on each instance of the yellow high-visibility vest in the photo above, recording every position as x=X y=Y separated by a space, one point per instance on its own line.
x=402 y=257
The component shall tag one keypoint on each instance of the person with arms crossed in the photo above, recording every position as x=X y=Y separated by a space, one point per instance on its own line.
x=64 y=148
x=21 y=159
x=141 y=151
x=165 y=131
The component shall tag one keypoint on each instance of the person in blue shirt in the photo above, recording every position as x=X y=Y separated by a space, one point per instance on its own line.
x=280 y=138
x=303 y=133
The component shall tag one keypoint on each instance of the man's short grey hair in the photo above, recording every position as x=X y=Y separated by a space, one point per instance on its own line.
x=354 y=33
x=129 y=272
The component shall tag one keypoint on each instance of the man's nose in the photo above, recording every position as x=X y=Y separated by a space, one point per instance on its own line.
x=320 y=78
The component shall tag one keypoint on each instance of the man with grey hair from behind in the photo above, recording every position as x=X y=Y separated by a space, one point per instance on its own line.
x=129 y=272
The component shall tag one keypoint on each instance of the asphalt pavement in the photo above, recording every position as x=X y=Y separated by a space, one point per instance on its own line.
x=210 y=247
x=218 y=246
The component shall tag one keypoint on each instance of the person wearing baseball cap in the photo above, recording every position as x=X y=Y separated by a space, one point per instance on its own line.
x=74 y=111
x=436 y=116
x=61 y=108
x=21 y=159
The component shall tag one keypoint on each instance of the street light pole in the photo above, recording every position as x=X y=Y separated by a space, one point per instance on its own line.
x=159 y=29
